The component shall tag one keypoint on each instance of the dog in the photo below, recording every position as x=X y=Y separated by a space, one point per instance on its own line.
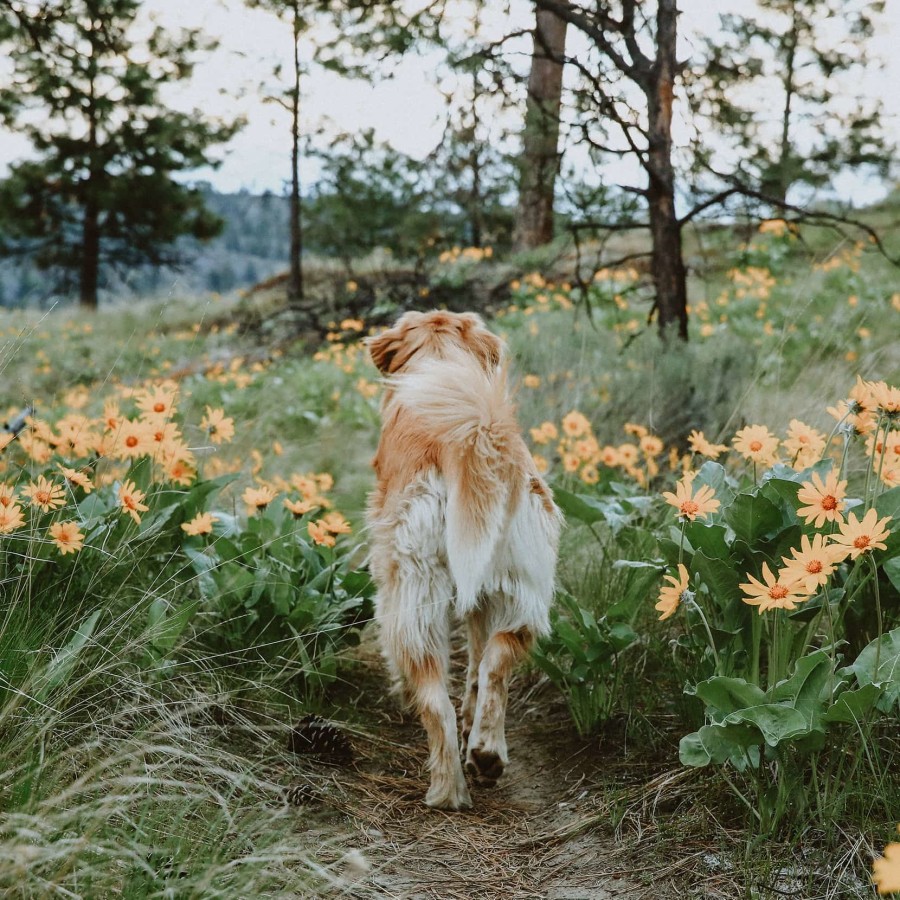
x=462 y=523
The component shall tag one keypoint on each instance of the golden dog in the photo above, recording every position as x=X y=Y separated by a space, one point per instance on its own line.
x=461 y=522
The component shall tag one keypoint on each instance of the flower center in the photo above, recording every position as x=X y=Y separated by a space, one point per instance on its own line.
x=829 y=502
x=814 y=566
x=159 y=407
x=756 y=446
x=778 y=592
x=128 y=502
x=689 y=508
x=803 y=439
x=862 y=542
x=131 y=441
x=42 y=496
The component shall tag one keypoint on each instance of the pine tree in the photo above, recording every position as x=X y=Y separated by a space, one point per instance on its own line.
x=100 y=190
x=807 y=59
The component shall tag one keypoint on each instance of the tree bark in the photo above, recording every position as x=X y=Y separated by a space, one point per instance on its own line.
x=785 y=152
x=540 y=152
x=295 y=281
x=89 y=274
x=667 y=265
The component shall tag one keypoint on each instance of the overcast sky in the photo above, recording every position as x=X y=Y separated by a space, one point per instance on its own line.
x=406 y=110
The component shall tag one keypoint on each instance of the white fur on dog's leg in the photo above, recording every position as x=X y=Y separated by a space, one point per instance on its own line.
x=449 y=790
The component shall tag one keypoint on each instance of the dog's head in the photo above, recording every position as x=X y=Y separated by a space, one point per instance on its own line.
x=436 y=334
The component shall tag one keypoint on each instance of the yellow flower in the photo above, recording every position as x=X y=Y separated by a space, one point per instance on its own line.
x=775 y=593
x=131 y=500
x=44 y=494
x=258 y=498
x=76 y=477
x=671 y=595
x=699 y=444
x=532 y=381
x=134 y=438
x=574 y=424
x=689 y=504
x=756 y=443
x=862 y=536
x=335 y=523
x=10 y=518
x=812 y=562
x=202 y=523
x=886 y=870
x=179 y=467
x=540 y=463
x=610 y=456
x=590 y=475
x=824 y=499
x=320 y=533
x=886 y=398
x=804 y=445
x=570 y=462
x=634 y=429
x=299 y=508
x=219 y=426
x=67 y=537
x=7 y=494
x=157 y=402
x=651 y=445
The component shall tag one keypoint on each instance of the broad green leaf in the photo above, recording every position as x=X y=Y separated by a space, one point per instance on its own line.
x=805 y=688
x=892 y=569
x=718 y=744
x=853 y=707
x=164 y=627
x=888 y=673
x=888 y=504
x=578 y=507
x=713 y=474
x=719 y=576
x=753 y=517
x=725 y=695
x=638 y=587
x=776 y=723
x=711 y=539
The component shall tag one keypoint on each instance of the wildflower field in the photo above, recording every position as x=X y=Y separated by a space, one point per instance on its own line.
x=184 y=585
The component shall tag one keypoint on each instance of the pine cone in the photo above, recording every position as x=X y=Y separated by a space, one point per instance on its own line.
x=315 y=736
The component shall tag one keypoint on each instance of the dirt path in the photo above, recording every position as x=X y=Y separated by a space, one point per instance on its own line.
x=532 y=836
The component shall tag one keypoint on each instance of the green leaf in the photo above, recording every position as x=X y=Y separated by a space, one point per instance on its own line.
x=806 y=687
x=63 y=662
x=711 y=539
x=776 y=723
x=888 y=504
x=724 y=695
x=713 y=474
x=888 y=673
x=753 y=517
x=891 y=568
x=718 y=744
x=719 y=575
x=642 y=578
x=853 y=707
x=164 y=628
x=576 y=506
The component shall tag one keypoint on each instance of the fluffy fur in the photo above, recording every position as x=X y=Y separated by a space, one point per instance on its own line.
x=462 y=524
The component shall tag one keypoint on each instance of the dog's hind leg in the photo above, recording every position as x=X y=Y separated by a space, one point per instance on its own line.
x=476 y=629
x=486 y=756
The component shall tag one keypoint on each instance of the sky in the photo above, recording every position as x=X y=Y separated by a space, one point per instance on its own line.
x=405 y=110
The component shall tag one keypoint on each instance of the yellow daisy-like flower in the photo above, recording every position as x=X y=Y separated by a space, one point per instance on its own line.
x=804 y=444
x=824 y=499
x=335 y=523
x=589 y=474
x=134 y=438
x=299 y=508
x=635 y=430
x=544 y=433
x=202 y=523
x=774 y=592
x=756 y=443
x=7 y=494
x=258 y=498
x=671 y=595
x=219 y=426
x=858 y=536
x=886 y=869
x=44 y=494
x=158 y=401
x=78 y=478
x=320 y=533
x=11 y=518
x=610 y=456
x=131 y=500
x=541 y=464
x=886 y=398
x=570 y=462
x=812 y=563
x=689 y=504
x=628 y=454
x=67 y=536
x=651 y=445
x=575 y=424
x=699 y=444
x=532 y=381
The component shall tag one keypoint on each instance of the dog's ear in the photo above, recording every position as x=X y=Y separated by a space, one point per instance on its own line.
x=383 y=347
x=483 y=343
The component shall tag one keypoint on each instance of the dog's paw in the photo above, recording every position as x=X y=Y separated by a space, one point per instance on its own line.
x=450 y=794
x=485 y=765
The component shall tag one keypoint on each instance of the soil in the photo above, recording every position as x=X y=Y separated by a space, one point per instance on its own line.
x=537 y=834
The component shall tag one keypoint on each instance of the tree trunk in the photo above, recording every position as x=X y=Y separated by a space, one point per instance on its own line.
x=540 y=153
x=667 y=264
x=90 y=227
x=785 y=150
x=295 y=282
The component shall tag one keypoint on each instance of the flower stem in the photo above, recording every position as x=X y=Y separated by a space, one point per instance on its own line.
x=878 y=613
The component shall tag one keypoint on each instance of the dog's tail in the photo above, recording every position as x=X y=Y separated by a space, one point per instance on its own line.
x=469 y=411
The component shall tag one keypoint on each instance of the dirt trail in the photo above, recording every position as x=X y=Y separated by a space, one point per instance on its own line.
x=523 y=839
